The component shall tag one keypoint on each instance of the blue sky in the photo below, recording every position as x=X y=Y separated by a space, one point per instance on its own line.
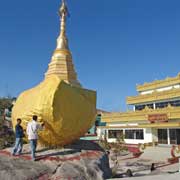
x=115 y=44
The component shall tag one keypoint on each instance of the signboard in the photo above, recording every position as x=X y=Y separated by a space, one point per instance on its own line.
x=158 y=118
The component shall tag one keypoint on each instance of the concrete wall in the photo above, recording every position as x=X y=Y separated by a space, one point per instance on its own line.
x=149 y=135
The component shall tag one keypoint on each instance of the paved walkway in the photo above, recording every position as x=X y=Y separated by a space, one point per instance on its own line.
x=157 y=153
x=140 y=167
x=175 y=176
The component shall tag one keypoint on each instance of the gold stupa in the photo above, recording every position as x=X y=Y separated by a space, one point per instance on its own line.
x=67 y=109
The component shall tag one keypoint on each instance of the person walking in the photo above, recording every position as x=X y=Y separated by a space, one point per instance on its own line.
x=19 y=132
x=32 y=132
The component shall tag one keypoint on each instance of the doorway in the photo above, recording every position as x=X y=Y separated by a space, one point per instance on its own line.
x=162 y=136
x=174 y=136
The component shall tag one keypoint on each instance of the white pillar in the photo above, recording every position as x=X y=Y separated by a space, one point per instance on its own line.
x=134 y=108
x=154 y=105
x=107 y=134
x=168 y=136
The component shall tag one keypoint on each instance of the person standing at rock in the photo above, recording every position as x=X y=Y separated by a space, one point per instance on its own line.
x=32 y=132
x=19 y=132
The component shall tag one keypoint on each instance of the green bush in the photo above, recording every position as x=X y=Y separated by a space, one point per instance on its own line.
x=7 y=137
x=5 y=103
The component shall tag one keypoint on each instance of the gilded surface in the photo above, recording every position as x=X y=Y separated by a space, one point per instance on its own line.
x=159 y=83
x=134 y=116
x=61 y=62
x=67 y=109
x=155 y=96
x=147 y=125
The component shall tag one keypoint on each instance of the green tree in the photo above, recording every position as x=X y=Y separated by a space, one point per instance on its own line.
x=5 y=103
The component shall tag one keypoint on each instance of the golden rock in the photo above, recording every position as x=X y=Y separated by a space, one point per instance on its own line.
x=67 y=109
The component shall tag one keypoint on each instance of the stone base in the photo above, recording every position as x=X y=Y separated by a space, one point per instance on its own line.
x=81 y=160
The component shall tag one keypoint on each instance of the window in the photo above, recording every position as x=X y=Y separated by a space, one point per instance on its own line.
x=174 y=136
x=141 y=107
x=115 y=133
x=161 y=105
x=165 y=104
x=129 y=134
x=134 y=134
x=162 y=136
x=175 y=103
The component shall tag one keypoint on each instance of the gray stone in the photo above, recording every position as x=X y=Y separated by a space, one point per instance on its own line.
x=84 y=162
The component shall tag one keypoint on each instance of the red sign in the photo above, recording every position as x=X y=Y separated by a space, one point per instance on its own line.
x=158 y=118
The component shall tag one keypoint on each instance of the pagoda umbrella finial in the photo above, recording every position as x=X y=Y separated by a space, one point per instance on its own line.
x=63 y=11
x=62 y=41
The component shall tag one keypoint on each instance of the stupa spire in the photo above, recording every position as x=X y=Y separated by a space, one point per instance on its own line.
x=62 y=41
x=61 y=62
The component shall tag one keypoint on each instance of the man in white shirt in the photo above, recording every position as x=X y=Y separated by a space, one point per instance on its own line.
x=32 y=132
